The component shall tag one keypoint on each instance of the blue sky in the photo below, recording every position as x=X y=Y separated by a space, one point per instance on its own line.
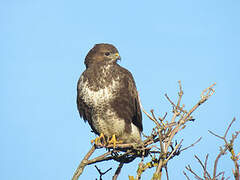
x=43 y=46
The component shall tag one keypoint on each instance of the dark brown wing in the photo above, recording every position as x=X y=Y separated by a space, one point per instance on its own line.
x=126 y=104
x=137 y=114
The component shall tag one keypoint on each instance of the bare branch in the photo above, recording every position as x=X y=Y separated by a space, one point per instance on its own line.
x=175 y=149
x=205 y=172
x=140 y=169
x=101 y=158
x=186 y=175
x=215 y=134
x=118 y=170
x=166 y=170
x=208 y=92
x=101 y=173
x=228 y=146
x=180 y=94
x=170 y=100
x=205 y=166
x=191 y=171
x=234 y=119
x=83 y=163
x=197 y=141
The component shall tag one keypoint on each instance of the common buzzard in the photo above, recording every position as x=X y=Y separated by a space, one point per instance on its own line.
x=107 y=97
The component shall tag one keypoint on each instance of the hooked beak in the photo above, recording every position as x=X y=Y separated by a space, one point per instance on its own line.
x=117 y=56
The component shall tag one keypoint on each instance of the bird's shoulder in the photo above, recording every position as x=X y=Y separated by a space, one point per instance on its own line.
x=100 y=76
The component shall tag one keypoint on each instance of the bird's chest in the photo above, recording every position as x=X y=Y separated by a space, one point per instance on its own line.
x=99 y=97
x=99 y=89
x=104 y=118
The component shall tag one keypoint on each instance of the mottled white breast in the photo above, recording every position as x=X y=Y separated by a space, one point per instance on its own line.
x=104 y=119
x=101 y=96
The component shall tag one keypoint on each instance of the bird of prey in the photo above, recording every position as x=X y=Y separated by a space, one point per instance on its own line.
x=107 y=97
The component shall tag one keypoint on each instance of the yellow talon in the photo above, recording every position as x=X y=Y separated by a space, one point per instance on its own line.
x=99 y=140
x=114 y=141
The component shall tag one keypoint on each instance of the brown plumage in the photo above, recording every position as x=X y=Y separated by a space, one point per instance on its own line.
x=107 y=96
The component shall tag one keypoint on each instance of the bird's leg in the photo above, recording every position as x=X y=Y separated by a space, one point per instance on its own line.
x=99 y=140
x=114 y=141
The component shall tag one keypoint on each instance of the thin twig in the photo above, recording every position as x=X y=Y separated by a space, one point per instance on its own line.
x=205 y=172
x=229 y=147
x=180 y=94
x=101 y=173
x=215 y=134
x=166 y=170
x=205 y=166
x=186 y=175
x=83 y=163
x=104 y=157
x=175 y=149
x=170 y=100
x=197 y=141
x=118 y=170
x=191 y=171
x=140 y=169
x=234 y=119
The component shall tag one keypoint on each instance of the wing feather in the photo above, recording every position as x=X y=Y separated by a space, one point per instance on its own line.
x=126 y=104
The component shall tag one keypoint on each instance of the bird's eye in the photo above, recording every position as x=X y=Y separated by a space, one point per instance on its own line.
x=107 y=53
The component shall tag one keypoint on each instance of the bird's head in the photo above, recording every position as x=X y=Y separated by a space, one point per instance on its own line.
x=102 y=53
